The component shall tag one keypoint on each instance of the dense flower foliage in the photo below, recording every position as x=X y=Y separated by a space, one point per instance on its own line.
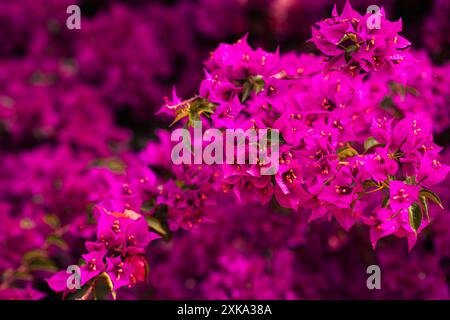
x=362 y=119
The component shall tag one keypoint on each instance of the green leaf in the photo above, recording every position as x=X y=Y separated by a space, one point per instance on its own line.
x=258 y=84
x=369 y=183
x=371 y=143
x=52 y=220
x=397 y=88
x=181 y=114
x=246 y=91
x=424 y=203
x=349 y=50
x=156 y=225
x=348 y=36
x=413 y=91
x=113 y=164
x=252 y=84
x=58 y=242
x=34 y=254
x=85 y=293
x=98 y=288
x=415 y=216
x=411 y=180
x=42 y=265
x=23 y=276
x=431 y=196
x=346 y=152
x=103 y=287
x=147 y=205
x=27 y=224
x=193 y=109
x=385 y=202
x=38 y=260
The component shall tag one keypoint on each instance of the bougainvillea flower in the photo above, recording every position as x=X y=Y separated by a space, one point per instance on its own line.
x=402 y=195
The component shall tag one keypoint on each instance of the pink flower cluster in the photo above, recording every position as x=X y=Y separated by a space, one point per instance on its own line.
x=342 y=155
x=118 y=251
x=355 y=42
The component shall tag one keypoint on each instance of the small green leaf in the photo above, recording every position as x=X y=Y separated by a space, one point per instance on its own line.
x=193 y=109
x=413 y=91
x=98 y=288
x=58 y=242
x=27 y=223
x=23 y=276
x=258 y=84
x=411 y=180
x=246 y=91
x=424 y=203
x=415 y=216
x=346 y=152
x=46 y=265
x=156 y=225
x=147 y=205
x=349 y=50
x=52 y=220
x=431 y=196
x=38 y=260
x=397 y=88
x=34 y=254
x=255 y=84
x=85 y=293
x=385 y=202
x=181 y=114
x=341 y=149
x=348 y=36
x=113 y=164
x=371 y=143
x=369 y=184
x=103 y=287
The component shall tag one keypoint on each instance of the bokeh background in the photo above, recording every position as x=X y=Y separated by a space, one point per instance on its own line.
x=69 y=98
